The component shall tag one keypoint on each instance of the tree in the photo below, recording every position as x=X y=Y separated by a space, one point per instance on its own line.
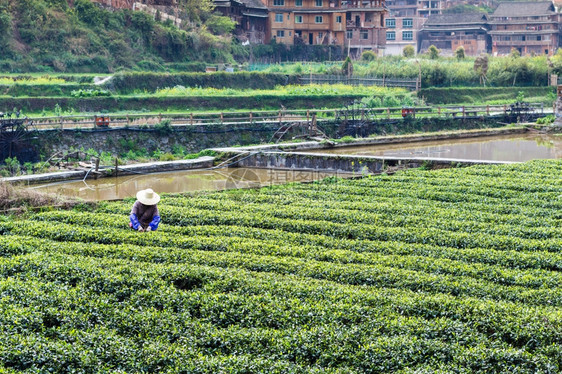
x=481 y=68
x=459 y=53
x=555 y=62
x=514 y=53
x=220 y=25
x=347 y=67
x=433 y=52
x=409 y=51
x=368 y=56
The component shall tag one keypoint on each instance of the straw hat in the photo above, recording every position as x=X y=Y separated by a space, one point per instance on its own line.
x=148 y=197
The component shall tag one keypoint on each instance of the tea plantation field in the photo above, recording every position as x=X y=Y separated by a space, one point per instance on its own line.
x=446 y=271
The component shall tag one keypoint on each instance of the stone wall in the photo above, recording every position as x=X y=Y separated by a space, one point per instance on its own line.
x=193 y=139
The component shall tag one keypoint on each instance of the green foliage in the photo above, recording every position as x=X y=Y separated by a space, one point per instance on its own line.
x=555 y=62
x=164 y=127
x=368 y=56
x=483 y=95
x=220 y=25
x=433 y=52
x=454 y=270
x=90 y=93
x=546 y=120
x=51 y=36
x=12 y=166
x=409 y=51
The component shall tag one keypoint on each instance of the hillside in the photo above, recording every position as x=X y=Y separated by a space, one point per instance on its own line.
x=50 y=35
x=449 y=271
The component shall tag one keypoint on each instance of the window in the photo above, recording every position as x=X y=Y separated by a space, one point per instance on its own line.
x=407 y=35
x=407 y=22
x=279 y=17
x=298 y=19
x=390 y=35
x=338 y=19
x=278 y=2
x=364 y=35
x=280 y=33
x=390 y=22
x=319 y=3
x=318 y=19
x=320 y=35
x=349 y=34
x=298 y=2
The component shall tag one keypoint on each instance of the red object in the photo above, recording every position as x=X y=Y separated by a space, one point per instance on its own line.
x=407 y=112
x=102 y=121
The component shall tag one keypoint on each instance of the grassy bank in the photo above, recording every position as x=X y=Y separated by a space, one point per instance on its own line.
x=487 y=95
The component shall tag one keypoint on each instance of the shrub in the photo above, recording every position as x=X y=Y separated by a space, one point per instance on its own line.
x=433 y=52
x=459 y=53
x=368 y=56
x=409 y=51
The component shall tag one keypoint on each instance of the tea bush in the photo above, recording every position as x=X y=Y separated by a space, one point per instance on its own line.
x=455 y=270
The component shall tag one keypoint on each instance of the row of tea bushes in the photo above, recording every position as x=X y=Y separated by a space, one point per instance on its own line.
x=425 y=271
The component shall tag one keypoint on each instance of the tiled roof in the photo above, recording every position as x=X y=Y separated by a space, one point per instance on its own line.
x=523 y=9
x=455 y=19
x=253 y=4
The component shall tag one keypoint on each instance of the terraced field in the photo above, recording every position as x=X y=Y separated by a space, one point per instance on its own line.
x=443 y=271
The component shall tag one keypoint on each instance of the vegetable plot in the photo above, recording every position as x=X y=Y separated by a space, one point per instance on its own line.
x=454 y=270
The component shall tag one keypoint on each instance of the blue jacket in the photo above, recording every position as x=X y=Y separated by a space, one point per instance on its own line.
x=135 y=222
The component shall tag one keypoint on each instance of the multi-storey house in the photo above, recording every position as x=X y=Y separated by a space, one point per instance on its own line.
x=365 y=28
x=529 y=27
x=428 y=7
x=251 y=18
x=451 y=31
x=306 y=21
x=402 y=27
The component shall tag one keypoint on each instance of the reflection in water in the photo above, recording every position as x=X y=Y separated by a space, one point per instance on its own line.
x=519 y=148
x=176 y=182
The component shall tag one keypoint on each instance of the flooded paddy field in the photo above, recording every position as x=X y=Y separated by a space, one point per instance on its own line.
x=178 y=182
x=506 y=148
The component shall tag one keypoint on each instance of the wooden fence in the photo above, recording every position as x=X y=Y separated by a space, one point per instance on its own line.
x=277 y=117
x=411 y=84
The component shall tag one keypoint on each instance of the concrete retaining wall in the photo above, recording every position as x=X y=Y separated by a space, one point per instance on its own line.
x=151 y=167
x=344 y=163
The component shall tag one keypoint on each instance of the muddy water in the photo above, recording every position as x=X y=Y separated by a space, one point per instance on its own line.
x=519 y=148
x=176 y=182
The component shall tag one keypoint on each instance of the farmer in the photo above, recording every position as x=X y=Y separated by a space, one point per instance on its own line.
x=144 y=215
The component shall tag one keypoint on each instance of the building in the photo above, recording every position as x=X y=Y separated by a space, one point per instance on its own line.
x=251 y=18
x=365 y=28
x=402 y=25
x=356 y=25
x=311 y=22
x=529 y=27
x=427 y=8
x=449 y=31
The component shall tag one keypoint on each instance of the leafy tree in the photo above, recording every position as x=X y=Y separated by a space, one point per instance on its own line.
x=555 y=62
x=220 y=25
x=459 y=53
x=514 y=53
x=433 y=52
x=5 y=26
x=368 y=56
x=347 y=67
x=409 y=51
